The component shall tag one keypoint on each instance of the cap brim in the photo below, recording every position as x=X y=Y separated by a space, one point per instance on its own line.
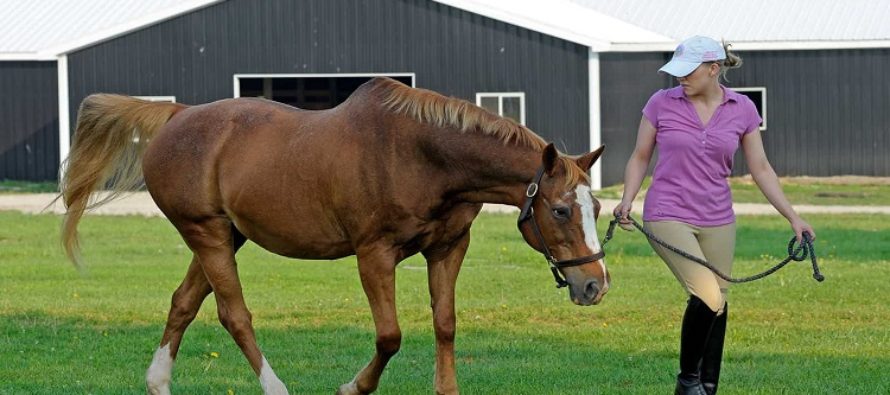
x=679 y=68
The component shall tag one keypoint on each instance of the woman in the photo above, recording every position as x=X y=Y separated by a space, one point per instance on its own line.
x=698 y=126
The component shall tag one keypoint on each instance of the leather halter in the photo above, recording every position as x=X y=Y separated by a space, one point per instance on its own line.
x=527 y=213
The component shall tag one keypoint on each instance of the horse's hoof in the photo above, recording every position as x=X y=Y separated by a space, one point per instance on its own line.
x=348 y=389
x=158 y=389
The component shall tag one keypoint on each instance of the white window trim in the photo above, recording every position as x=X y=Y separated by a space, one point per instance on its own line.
x=501 y=96
x=156 y=99
x=236 y=79
x=169 y=99
x=64 y=114
x=595 y=133
x=762 y=90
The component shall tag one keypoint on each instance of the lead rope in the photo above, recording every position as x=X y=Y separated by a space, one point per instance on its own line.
x=799 y=254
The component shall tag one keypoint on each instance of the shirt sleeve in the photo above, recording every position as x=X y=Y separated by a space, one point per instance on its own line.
x=653 y=107
x=752 y=118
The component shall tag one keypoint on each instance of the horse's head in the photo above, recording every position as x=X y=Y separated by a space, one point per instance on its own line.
x=559 y=219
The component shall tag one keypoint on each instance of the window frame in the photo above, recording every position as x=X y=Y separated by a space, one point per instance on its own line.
x=168 y=99
x=500 y=96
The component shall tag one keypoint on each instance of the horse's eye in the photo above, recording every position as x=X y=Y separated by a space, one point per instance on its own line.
x=562 y=212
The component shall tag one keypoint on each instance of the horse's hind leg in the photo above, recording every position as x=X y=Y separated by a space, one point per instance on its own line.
x=211 y=240
x=377 y=271
x=185 y=304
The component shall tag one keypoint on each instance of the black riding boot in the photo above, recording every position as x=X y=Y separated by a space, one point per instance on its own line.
x=710 y=363
x=697 y=323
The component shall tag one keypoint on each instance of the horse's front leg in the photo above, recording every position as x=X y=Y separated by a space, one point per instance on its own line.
x=443 y=266
x=377 y=271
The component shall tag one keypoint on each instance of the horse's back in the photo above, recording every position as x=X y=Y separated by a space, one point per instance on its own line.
x=263 y=164
x=307 y=184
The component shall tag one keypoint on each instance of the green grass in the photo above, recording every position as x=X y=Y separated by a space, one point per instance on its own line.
x=799 y=191
x=10 y=186
x=62 y=331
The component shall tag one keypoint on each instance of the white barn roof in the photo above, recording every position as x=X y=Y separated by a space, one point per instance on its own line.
x=564 y=19
x=758 y=24
x=45 y=29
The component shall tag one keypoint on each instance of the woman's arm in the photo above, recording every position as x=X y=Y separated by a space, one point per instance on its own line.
x=636 y=167
x=766 y=179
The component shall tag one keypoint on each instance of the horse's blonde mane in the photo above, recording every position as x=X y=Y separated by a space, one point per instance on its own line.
x=447 y=112
x=432 y=108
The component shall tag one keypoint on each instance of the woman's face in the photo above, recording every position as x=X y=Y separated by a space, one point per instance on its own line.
x=700 y=79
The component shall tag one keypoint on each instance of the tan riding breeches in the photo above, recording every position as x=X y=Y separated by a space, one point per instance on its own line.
x=715 y=244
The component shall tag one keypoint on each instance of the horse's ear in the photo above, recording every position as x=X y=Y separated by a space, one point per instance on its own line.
x=550 y=156
x=588 y=159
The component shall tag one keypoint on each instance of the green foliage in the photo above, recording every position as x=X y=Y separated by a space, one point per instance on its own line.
x=10 y=186
x=65 y=331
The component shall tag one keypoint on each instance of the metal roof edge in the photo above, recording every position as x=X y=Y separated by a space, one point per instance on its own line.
x=130 y=26
x=504 y=15
x=811 y=45
x=759 y=45
x=25 y=56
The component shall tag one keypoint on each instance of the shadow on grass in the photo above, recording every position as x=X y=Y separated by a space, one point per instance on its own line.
x=43 y=354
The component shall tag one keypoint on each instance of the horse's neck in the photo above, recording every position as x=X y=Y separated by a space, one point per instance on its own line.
x=485 y=170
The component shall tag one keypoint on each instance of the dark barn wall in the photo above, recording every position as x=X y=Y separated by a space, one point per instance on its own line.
x=626 y=82
x=826 y=109
x=457 y=53
x=29 y=121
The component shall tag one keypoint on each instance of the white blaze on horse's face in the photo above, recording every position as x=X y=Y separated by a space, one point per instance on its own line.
x=584 y=198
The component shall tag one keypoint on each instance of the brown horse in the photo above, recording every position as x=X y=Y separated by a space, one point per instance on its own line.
x=391 y=172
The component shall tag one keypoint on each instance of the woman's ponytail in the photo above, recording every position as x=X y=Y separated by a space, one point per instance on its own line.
x=732 y=61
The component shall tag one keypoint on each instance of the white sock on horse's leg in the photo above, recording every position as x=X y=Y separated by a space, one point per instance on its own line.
x=158 y=376
x=269 y=381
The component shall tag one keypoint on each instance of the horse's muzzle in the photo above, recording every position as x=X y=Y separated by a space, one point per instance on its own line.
x=590 y=293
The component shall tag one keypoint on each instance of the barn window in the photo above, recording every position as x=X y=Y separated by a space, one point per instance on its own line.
x=308 y=91
x=758 y=96
x=505 y=104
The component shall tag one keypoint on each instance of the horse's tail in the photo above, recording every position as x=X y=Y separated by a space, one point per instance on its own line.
x=110 y=139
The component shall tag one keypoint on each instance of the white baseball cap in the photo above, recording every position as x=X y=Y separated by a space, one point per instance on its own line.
x=691 y=53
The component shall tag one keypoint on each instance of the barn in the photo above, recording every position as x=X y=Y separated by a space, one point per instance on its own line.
x=577 y=72
x=813 y=67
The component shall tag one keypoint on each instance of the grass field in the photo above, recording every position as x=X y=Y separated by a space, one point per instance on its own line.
x=95 y=332
x=855 y=191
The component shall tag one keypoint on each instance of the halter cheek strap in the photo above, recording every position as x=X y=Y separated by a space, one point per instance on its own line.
x=527 y=213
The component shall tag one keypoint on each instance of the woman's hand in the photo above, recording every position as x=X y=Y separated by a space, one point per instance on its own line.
x=799 y=226
x=621 y=211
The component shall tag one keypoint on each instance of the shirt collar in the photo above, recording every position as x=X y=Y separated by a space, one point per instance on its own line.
x=728 y=94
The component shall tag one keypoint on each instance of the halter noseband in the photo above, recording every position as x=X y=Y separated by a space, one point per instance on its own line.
x=527 y=213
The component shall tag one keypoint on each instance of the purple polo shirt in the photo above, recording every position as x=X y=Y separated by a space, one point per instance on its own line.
x=689 y=183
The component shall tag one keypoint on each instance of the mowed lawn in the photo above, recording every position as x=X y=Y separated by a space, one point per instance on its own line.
x=67 y=332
